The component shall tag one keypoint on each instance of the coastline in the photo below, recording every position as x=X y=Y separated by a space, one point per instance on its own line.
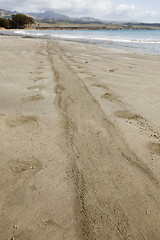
x=137 y=41
x=80 y=141
x=92 y=28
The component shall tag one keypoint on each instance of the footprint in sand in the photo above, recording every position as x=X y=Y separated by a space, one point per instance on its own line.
x=108 y=95
x=36 y=87
x=80 y=67
x=40 y=67
x=22 y=170
x=2 y=115
x=154 y=148
x=59 y=88
x=33 y=98
x=111 y=96
x=49 y=222
x=128 y=115
x=37 y=79
x=22 y=120
x=32 y=165
x=99 y=85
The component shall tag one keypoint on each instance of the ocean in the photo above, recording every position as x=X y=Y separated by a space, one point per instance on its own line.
x=143 y=41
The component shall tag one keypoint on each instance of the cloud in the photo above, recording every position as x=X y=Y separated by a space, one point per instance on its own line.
x=151 y=16
x=92 y=8
x=125 y=9
x=102 y=9
x=122 y=12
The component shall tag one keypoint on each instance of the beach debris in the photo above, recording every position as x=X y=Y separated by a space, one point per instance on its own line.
x=15 y=226
x=155 y=135
x=32 y=167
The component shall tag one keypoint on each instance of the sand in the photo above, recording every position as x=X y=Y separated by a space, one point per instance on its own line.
x=80 y=142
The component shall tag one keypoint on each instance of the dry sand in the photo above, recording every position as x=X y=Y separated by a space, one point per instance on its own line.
x=80 y=142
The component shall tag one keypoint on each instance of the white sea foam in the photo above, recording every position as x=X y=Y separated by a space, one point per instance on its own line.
x=88 y=35
x=143 y=40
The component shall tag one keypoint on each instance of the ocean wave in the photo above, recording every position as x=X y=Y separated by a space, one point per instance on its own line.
x=84 y=37
x=146 y=39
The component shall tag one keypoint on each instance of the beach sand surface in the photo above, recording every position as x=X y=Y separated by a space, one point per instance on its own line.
x=80 y=142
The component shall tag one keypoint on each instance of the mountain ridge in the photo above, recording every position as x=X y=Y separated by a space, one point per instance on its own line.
x=52 y=15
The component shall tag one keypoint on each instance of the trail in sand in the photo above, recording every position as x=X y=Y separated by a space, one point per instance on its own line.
x=79 y=142
x=110 y=182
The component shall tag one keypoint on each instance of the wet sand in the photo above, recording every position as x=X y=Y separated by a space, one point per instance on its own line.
x=80 y=142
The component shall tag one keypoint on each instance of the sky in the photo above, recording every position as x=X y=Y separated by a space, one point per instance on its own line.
x=110 y=10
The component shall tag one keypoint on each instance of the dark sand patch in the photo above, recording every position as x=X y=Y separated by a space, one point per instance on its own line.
x=154 y=148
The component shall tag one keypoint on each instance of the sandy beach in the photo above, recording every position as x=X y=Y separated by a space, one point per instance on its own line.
x=80 y=142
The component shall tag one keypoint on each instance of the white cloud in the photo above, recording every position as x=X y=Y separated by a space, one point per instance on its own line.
x=102 y=9
x=124 y=7
x=94 y=8
x=150 y=16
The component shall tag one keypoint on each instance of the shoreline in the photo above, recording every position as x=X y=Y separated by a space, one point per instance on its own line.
x=89 y=28
x=136 y=46
x=80 y=141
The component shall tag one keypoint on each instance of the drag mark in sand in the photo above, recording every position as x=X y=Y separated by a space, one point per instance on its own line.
x=100 y=163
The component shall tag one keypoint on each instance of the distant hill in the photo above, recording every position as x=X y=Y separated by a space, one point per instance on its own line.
x=50 y=18
x=6 y=13
x=51 y=15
